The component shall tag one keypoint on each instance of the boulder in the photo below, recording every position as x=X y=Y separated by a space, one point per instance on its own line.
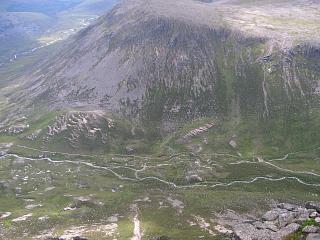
x=194 y=178
x=272 y=214
x=23 y=218
x=288 y=230
x=302 y=214
x=317 y=219
x=5 y=215
x=287 y=206
x=310 y=229
x=83 y=201
x=70 y=208
x=43 y=218
x=313 y=236
x=32 y=206
x=310 y=210
x=286 y=218
x=233 y=143
x=246 y=231
x=313 y=205
x=314 y=215
x=266 y=225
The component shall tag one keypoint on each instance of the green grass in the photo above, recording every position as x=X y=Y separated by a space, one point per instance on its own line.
x=309 y=222
x=155 y=221
x=255 y=137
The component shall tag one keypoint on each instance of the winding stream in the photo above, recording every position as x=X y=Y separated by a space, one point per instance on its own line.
x=137 y=178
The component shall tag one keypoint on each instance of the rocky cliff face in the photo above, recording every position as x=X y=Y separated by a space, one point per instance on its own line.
x=161 y=60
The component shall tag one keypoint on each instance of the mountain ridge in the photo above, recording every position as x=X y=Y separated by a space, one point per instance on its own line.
x=161 y=73
x=117 y=58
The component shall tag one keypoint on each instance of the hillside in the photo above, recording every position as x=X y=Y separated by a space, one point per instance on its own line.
x=139 y=48
x=167 y=120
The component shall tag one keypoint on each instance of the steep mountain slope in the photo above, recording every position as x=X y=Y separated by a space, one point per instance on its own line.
x=252 y=68
x=168 y=120
x=187 y=58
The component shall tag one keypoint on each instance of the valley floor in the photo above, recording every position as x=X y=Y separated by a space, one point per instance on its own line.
x=46 y=194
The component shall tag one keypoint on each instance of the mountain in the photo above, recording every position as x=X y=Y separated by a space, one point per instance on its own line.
x=218 y=57
x=250 y=66
x=166 y=120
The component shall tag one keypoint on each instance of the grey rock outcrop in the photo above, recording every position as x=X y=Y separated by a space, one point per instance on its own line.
x=271 y=215
x=278 y=223
x=247 y=231
x=313 y=205
x=310 y=229
x=313 y=236
x=289 y=229
x=286 y=218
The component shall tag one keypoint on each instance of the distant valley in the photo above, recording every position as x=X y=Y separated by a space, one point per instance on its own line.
x=28 y=25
